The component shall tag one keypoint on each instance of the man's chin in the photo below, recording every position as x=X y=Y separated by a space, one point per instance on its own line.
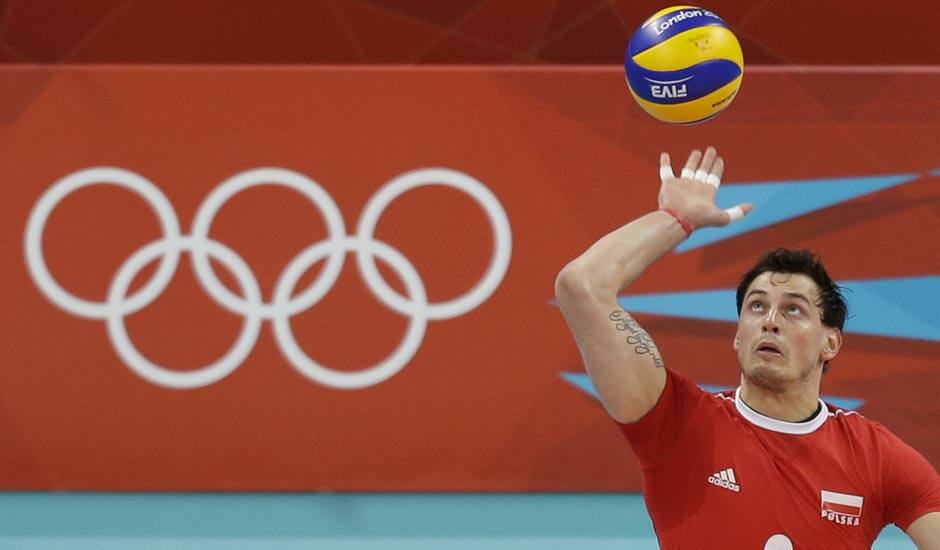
x=769 y=376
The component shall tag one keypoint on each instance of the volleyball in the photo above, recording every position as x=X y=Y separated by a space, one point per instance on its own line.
x=684 y=65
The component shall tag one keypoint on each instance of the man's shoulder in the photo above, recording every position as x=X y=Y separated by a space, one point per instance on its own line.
x=859 y=427
x=702 y=394
x=843 y=414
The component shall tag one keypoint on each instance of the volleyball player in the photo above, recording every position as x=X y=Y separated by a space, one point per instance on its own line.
x=768 y=465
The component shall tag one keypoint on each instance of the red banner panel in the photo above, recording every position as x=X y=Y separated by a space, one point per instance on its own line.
x=342 y=278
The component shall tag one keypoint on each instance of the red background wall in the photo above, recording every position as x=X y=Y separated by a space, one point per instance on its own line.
x=482 y=405
x=452 y=31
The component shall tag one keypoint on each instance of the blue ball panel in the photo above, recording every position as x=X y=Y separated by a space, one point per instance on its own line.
x=652 y=34
x=691 y=83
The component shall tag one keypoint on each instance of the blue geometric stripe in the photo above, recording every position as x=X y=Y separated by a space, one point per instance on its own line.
x=903 y=307
x=710 y=305
x=583 y=383
x=775 y=202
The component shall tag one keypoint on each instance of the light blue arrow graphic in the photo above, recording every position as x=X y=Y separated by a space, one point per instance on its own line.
x=583 y=383
x=903 y=307
x=710 y=305
x=775 y=202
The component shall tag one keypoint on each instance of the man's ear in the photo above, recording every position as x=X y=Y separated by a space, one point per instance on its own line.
x=832 y=345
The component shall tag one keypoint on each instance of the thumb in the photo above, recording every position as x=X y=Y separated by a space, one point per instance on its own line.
x=735 y=213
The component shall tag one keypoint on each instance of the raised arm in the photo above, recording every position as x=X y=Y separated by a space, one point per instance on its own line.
x=624 y=364
x=925 y=531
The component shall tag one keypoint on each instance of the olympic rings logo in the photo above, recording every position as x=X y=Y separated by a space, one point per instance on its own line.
x=284 y=304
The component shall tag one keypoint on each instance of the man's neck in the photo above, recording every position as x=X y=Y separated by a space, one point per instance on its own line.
x=795 y=405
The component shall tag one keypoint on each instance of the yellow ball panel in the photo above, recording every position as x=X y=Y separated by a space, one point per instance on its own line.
x=695 y=110
x=690 y=47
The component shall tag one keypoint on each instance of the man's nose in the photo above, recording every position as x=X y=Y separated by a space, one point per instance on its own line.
x=770 y=323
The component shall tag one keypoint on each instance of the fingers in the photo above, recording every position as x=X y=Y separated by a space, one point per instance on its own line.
x=707 y=168
x=701 y=174
x=695 y=157
x=665 y=167
x=718 y=169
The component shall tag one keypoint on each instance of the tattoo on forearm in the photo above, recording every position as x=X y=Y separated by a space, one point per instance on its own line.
x=637 y=337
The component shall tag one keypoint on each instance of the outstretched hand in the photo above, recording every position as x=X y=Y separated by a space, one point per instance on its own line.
x=692 y=194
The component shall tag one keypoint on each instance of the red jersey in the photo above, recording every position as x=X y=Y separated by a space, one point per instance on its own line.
x=717 y=474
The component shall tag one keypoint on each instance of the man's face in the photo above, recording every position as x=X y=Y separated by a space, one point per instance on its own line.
x=781 y=340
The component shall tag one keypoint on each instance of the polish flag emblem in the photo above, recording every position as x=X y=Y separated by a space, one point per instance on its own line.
x=841 y=508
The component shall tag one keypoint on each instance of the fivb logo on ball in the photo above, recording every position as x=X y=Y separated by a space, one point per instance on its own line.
x=684 y=65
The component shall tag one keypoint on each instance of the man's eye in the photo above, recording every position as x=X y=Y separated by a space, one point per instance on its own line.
x=756 y=305
x=794 y=309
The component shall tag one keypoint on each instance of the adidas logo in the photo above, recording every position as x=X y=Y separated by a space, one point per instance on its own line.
x=725 y=478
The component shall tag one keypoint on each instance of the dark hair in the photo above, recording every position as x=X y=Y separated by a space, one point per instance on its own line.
x=787 y=260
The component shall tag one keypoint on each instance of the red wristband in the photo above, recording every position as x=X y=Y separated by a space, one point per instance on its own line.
x=685 y=225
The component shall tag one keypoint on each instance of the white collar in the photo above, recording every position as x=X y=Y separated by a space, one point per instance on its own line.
x=774 y=425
